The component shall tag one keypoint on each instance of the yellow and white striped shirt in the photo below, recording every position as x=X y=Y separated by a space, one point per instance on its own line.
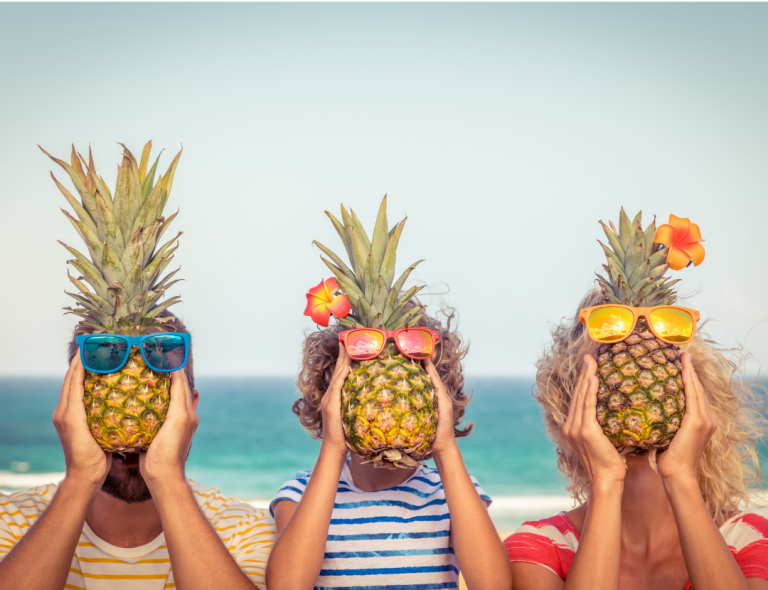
x=247 y=532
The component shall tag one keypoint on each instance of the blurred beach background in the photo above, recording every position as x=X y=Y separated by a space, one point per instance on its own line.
x=249 y=443
x=504 y=131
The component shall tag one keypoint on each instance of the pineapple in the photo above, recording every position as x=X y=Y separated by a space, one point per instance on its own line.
x=125 y=409
x=640 y=400
x=389 y=407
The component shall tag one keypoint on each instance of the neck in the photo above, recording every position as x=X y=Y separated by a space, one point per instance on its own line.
x=647 y=519
x=122 y=524
x=372 y=479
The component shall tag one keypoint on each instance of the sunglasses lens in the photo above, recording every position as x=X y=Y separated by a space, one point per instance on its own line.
x=416 y=343
x=165 y=352
x=610 y=324
x=364 y=343
x=673 y=325
x=104 y=353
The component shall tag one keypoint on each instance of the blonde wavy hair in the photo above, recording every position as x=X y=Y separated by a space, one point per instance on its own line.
x=729 y=470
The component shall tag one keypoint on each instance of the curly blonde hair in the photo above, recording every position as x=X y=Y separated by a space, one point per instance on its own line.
x=729 y=466
x=321 y=350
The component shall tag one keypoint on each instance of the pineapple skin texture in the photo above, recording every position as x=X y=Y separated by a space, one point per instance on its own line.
x=126 y=409
x=389 y=410
x=641 y=398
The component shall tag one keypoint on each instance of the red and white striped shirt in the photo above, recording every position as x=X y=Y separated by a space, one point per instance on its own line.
x=552 y=543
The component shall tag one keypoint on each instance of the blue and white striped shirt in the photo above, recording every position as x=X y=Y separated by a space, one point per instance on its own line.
x=391 y=539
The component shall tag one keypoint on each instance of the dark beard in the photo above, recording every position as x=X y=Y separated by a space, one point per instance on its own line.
x=132 y=488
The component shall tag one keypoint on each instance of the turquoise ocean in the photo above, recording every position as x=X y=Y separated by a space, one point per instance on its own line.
x=249 y=442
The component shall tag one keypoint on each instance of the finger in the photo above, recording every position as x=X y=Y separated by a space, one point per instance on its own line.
x=61 y=406
x=343 y=357
x=180 y=394
x=76 y=386
x=590 y=399
x=575 y=394
x=68 y=379
x=431 y=370
x=701 y=395
x=692 y=404
x=576 y=387
x=700 y=391
x=577 y=403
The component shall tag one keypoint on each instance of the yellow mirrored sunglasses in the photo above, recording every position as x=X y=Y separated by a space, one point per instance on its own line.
x=613 y=323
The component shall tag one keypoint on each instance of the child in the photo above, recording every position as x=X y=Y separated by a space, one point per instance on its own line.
x=348 y=523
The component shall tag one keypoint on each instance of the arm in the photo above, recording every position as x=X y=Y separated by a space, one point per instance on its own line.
x=596 y=565
x=43 y=556
x=198 y=557
x=302 y=530
x=481 y=556
x=710 y=564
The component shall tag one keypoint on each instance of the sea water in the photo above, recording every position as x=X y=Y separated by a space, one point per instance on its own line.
x=249 y=442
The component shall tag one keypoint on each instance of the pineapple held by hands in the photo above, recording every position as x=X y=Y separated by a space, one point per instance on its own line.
x=389 y=407
x=641 y=399
x=123 y=268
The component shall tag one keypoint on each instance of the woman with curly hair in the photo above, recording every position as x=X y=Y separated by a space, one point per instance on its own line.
x=635 y=528
x=348 y=523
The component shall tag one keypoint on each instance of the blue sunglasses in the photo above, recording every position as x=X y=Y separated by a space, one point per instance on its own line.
x=107 y=353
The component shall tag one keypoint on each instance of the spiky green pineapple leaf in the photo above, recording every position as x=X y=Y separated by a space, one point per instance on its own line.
x=361 y=231
x=390 y=254
x=380 y=237
x=626 y=230
x=89 y=203
x=613 y=240
x=106 y=221
x=80 y=211
x=337 y=261
x=343 y=235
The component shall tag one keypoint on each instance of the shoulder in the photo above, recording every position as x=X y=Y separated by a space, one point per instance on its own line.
x=745 y=529
x=747 y=538
x=40 y=496
x=551 y=543
x=292 y=490
x=19 y=511
x=428 y=478
x=217 y=507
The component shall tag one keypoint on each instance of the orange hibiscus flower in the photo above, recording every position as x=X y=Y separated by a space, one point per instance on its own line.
x=322 y=301
x=682 y=238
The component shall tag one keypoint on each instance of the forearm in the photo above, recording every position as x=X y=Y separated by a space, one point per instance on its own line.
x=710 y=564
x=199 y=559
x=297 y=556
x=482 y=558
x=597 y=561
x=42 y=558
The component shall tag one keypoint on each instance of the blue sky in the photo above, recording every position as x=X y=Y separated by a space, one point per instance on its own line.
x=503 y=131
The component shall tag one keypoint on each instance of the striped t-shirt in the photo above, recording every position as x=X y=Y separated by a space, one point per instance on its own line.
x=247 y=532
x=394 y=538
x=552 y=543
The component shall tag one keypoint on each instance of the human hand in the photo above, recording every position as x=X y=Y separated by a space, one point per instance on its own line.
x=334 y=441
x=167 y=454
x=444 y=436
x=681 y=459
x=85 y=460
x=595 y=451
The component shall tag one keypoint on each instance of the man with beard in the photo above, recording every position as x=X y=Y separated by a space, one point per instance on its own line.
x=130 y=521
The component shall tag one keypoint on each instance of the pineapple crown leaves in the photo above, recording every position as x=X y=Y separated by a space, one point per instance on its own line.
x=367 y=281
x=635 y=268
x=124 y=263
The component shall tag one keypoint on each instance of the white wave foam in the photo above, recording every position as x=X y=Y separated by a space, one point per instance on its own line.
x=13 y=482
x=509 y=505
